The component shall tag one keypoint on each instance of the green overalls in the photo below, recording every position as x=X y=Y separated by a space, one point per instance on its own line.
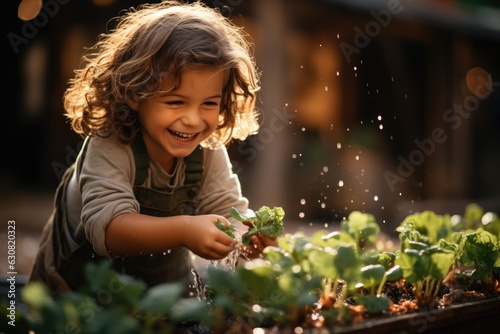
x=63 y=270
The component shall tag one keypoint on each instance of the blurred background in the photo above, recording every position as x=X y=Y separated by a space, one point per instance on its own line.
x=387 y=107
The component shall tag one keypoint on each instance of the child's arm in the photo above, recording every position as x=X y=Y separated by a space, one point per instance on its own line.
x=133 y=234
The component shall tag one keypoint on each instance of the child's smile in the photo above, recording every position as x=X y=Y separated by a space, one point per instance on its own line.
x=183 y=137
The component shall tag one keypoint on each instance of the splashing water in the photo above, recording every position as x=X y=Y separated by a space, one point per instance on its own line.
x=229 y=263
x=198 y=286
x=231 y=260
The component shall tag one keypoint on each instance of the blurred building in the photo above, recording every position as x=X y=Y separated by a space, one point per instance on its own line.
x=387 y=107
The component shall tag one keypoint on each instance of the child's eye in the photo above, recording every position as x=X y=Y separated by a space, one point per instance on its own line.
x=174 y=103
x=211 y=103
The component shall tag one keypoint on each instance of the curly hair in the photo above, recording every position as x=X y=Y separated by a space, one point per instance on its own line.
x=149 y=43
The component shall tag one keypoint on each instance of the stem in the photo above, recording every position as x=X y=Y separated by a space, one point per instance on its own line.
x=381 y=285
x=418 y=290
x=343 y=294
x=149 y=323
x=436 y=291
x=335 y=285
x=327 y=286
x=429 y=284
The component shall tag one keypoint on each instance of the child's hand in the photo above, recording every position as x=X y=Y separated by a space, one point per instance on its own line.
x=257 y=244
x=204 y=239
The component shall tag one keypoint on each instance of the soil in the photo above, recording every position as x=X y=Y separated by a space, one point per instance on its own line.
x=403 y=302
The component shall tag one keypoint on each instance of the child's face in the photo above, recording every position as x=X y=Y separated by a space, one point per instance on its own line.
x=175 y=122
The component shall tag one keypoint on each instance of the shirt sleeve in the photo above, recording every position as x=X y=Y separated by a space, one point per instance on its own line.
x=221 y=187
x=106 y=184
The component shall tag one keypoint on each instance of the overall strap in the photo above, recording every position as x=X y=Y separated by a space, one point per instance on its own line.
x=194 y=163
x=141 y=158
x=194 y=166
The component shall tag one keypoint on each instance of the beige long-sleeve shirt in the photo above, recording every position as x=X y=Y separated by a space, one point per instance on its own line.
x=103 y=188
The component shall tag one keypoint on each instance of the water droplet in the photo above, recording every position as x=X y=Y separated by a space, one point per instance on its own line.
x=338 y=73
x=301 y=215
x=375 y=198
x=357 y=157
x=338 y=36
x=294 y=156
x=326 y=88
x=339 y=146
x=256 y=308
x=325 y=169
x=303 y=129
x=487 y=218
x=381 y=126
x=303 y=201
x=341 y=183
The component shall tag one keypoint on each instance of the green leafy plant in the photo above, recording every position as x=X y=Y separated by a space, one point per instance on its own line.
x=230 y=231
x=111 y=303
x=266 y=221
x=425 y=268
x=482 y=250
x=474 y=218
x=327 y=278
x=362 y=227
x=427 y=227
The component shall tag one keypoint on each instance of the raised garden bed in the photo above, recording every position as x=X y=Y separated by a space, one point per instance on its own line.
x=444 y=276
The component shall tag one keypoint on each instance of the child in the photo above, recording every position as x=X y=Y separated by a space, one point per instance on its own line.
x=157 y=102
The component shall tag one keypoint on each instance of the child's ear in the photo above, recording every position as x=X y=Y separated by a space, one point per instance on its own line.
x=133 y=104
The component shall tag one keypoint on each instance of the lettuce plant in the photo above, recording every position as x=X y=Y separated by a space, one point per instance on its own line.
x=362 y=227
x=480 y=249
x=427 y=227
x=425 y=268
x=266 y=221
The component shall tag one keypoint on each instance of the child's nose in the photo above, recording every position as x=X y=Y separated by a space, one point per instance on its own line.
x=192 y=116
